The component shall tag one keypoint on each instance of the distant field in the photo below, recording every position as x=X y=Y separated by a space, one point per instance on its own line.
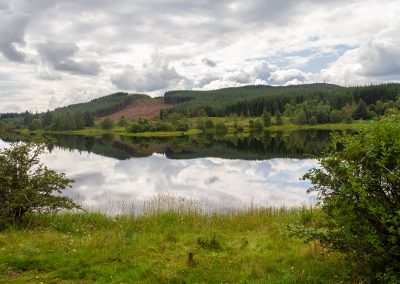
x=143 y=108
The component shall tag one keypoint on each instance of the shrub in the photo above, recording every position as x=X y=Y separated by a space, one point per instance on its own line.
x=358 y=186
x=35 y=125
x=220 y=128
x=258 y=126
x=163 y=126
x=122 y=121
x=335 y=116
x=28 y=186
x=299 y=117
x=135 y=128
x=266 y=117
x=251 y=125
x=209 y=124
x=201 y=124
x=107 y=124
x=313 y=120
x=182 y=125
x=279 y=118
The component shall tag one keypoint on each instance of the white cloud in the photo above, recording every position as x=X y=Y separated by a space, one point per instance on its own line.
x=59 y=56
x=376 y=60
x=67 y=49
x=12 y=33
x=154 y=76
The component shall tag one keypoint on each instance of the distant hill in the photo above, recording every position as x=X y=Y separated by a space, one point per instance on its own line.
x=228 y=100
x=251 y=100
x=103 y=106
x=317 y=100
x=245 y=92
x=141 y=108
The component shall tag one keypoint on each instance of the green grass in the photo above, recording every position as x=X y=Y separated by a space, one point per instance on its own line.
x=239 y=247
x=96 y=131
x=228 y=121
x=287 y=126
x=328 y=126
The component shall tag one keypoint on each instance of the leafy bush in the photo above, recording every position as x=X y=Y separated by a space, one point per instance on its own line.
x=313 y=120
x=28 y=186
x=182 y=125
x=335 y=116
x=279 y=118
x=163 y=126
x=122 y=121
x=107 y=123
x=258 y=125
x=358 y=186
x=209 y=124
x=220 y=128
x=266 y=117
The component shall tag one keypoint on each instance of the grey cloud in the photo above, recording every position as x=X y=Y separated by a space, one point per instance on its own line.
x=172 y=20
x=378 y=59
x=155 y=76
x=209 y=62
x=3 y=6
x=58 y=55
x=12 y=32
x=242 y=77
x=282 y=77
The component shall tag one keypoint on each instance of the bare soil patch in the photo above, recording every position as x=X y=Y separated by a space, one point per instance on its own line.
x=145 y=108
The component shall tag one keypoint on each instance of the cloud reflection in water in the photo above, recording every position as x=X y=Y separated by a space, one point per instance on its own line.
x=216 y=183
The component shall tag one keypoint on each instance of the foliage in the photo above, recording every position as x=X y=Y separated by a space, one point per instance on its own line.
x=209 y=124
x=102 y=106
x=28 y=186
x=361 y=112
x=316 y=99
x=300 y=116
x=248 y=247
x=335 y=116
x=258 y=126
x=220 y=128
x=35 y=125
x=266 y=117
x=279 y=118
x=182 y=125
x=358 y=186
x=107 y=123
x=122 y=121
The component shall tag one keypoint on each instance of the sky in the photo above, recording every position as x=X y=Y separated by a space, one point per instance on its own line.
x=58 y=52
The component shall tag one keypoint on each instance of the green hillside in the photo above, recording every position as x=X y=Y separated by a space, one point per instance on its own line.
x=251 y=100
x=102 y=106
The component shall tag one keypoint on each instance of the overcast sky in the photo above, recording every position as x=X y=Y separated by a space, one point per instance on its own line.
x=58 y=52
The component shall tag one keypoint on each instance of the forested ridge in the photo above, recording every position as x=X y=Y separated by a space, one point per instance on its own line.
x=310 y=98
x=73 y=117
x=301 y=104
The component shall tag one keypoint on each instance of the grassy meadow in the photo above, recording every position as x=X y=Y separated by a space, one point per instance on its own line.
x=228 y=121
x=251 y=246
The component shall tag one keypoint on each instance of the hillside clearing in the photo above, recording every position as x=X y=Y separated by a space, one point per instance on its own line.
x=143 y=108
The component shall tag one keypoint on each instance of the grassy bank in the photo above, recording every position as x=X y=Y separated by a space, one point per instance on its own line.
x=228 y=121
x=242 y=247
x=97 y=131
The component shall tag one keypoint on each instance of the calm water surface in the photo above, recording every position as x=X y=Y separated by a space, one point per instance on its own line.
x=121 y=175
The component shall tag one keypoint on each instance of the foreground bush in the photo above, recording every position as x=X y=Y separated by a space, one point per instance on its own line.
x=358 y=186
x=28 y=186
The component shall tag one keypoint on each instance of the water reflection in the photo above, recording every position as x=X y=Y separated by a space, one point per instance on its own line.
x=294 y=144
x=228 y=173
